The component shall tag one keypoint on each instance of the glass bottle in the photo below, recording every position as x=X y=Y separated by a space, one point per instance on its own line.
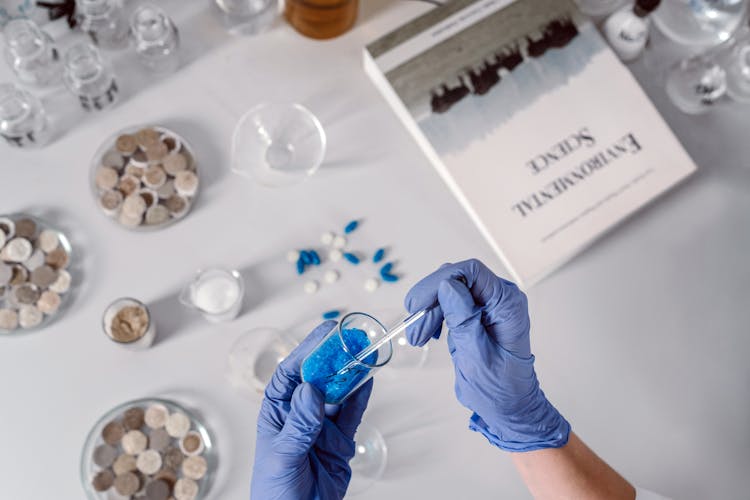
x=598 y=8
x=700 y=23
x=87 y=77
x=627 y=30
x=696 y=84
x=156 y=39
x=104 y=21
x=23 y=122
x=321 y=18
x=31 y=53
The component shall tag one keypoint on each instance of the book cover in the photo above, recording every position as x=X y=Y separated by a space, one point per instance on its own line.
x=544 y=137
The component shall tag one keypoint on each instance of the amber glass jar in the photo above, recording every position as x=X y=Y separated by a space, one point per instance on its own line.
x=321 y=18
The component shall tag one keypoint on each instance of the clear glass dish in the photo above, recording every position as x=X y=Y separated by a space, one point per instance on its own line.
x=94 y=439
x=131 y=163
x=5 y=291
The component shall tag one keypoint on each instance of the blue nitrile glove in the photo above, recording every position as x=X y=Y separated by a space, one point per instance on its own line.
x=488 y=324
x=300 y=453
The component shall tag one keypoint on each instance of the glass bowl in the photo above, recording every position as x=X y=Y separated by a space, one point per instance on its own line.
x=163 y=204
x=6 y=299
x=94 y=439
x=278 y=144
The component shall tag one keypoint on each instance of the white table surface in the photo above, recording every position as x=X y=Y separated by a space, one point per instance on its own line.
x=641 y=342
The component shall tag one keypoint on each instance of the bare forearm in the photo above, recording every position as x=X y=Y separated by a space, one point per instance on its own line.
x=573 y=471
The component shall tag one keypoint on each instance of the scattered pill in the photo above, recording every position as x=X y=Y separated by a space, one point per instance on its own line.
x=379 y=254
x=389 y=277
x=311 y=286
x=306 y=257
x=339 y=242
x=335 y=255
x=351 y=258
x=371 y=284
x=315 y=257
x=331 y=276
x=300 y=266
x=333 y=314
x=327 y=238
x=351 y=227
x=292 y=256
x=386 y=268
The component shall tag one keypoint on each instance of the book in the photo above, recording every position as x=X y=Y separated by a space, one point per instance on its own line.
x=541 y=133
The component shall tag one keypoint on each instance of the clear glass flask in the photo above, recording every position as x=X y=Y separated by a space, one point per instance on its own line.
x=334 y=367
x=216 y=293
x=696 y=84
x=23 y=122
x=369 y=461
x=700 y=23
x=87 y=77
x=156 y=39
x=105 y=22
x=31 y=53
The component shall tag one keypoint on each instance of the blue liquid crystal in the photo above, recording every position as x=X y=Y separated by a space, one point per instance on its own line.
x=321 y=366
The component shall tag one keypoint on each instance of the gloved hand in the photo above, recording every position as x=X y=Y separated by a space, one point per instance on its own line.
x=488 y=324
x=300 y=453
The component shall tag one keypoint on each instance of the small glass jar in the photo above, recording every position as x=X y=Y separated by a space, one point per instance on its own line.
x=124 y=335
x=23 y=122
x=334 y=367
x=87 y=77
x=156 y=38
x=321 y=18
x=245 y=16
x=105 y=22
x=216 y=293
x=31 y=53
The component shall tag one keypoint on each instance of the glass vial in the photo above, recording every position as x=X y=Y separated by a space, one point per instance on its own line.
x=627 y=30
x=87 y=77
x=321 y=18
x=31 y=53
x=156 y=39
x=243 y=16
x=23 y=123
x=104 y=21
x=696 y=84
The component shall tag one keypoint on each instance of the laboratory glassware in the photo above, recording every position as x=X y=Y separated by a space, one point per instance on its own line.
x=224 y=308
x=696 y=84
x=700 y=23
x=627 y=29
x=23 y=122
x=105 y=22
x=370 y=459
x=736 y=62
x=89 y=78
x=253 y=358
x=31 y=53
x=244 y=16
x=156 y=39
x=321 y=18
x=142 y=342
x=405 y=355
x=348 y=356
x=278 y=144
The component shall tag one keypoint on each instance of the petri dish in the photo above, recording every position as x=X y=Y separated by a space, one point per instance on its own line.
x=94 y=439
x=61 y=260
x=163 y=174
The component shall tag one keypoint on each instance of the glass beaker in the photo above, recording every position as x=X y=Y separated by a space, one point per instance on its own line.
x=245 y=16
x=128 y=322
x=700 y=23
x=23 y=122
x=696 y=84
x=105 y=22
x=334 y=367
x=31 y=53
x=278 y=144
x=369 y=461
x=156 y=38
x=321 y=18
x=737 y=63
x=88 y=78
x=253 y=358
x=216 y=293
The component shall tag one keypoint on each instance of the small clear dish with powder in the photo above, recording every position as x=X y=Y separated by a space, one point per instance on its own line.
x=144 y=177
x=156 y=447
x=35 y=276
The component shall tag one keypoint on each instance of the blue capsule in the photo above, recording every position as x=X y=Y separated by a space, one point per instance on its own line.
x=306 y=257
x=351 y=227
x=389 y=277
x=386 y=269
x=332 y=314
x=379 y=254
x=351 y=258
x=300 y=266
x=315 y=258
